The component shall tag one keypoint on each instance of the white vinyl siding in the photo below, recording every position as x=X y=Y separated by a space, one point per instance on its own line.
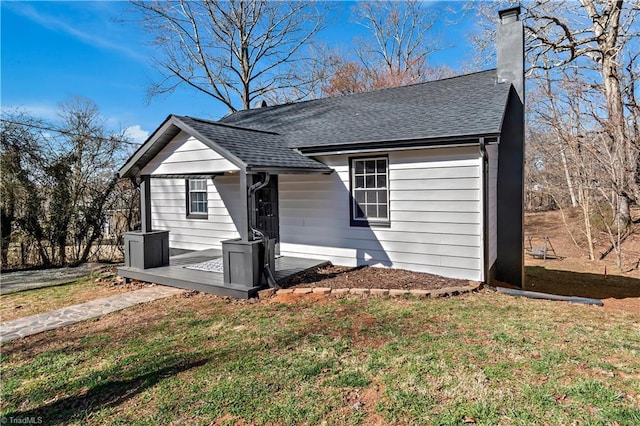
x=435 y=215
x=492 y=151
x=168 y=201
x=434 y=208
x=187 y=155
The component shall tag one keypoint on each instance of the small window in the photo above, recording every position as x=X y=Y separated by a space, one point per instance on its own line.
x=197 y=198
x=369 y=191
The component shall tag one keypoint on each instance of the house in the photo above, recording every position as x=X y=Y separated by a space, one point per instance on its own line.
x=426 y=177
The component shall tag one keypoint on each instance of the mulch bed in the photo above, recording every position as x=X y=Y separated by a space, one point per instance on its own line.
x=369 y=277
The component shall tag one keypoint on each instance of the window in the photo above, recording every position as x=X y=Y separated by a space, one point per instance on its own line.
x=197 y=198
x=369 y=191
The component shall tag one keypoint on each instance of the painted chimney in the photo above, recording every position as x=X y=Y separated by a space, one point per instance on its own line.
x=509 y=266
x=510 y=49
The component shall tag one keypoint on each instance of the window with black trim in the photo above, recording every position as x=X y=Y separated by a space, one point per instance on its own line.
x=197 y=206
x=369 y=191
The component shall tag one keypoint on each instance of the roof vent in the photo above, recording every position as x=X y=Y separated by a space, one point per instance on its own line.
x=260 y=104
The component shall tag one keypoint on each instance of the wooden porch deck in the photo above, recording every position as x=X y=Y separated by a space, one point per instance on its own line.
x=176 y=275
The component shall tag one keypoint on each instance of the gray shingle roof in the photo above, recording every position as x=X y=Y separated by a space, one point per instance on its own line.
x=460 y=107
x=253 y=147
x=468 y=105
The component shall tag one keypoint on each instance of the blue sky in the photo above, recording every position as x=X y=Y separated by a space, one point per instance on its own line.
x=53 y=51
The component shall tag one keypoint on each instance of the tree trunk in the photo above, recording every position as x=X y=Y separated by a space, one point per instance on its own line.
x=607 y=43
x=567 y=175
x=7 y=218
x=44 y=257
x=586 y=213
x=624 y=212
x=62 y=249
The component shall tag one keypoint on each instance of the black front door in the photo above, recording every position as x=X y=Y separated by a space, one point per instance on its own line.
x=267 y=209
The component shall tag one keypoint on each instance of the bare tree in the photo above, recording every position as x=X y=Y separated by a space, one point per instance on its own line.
x=234 y=51
x=596 y=36
x=601 y=41
x=90 y=158
x=395 y=51
x=20 y=201
x=582 y=61
x=58 y=183
x=400 y=42
x=315 y=71
x=352 y=77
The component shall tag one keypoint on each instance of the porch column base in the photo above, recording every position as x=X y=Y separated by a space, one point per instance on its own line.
x=243 y=262
x=144 y=250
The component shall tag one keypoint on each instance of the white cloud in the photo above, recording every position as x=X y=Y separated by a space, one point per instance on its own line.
x=41 y=111
x=136 y=134
x=57 y=24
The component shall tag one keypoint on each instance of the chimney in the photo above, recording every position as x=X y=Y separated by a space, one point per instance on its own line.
x=509 y=266
x=510 y=49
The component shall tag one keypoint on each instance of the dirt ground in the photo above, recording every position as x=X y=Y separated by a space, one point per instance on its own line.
x=564 y=229
x=367 y=277
x=572 y=273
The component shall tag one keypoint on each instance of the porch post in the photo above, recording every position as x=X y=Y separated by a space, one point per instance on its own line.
x=145 y=203
x=244 y=206
x=145 y=249
x=242 y=263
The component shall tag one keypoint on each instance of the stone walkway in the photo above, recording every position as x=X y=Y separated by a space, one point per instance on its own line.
x=33 y=324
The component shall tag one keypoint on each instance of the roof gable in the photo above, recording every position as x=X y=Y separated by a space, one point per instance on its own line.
x=187 y=155
x=243 y=148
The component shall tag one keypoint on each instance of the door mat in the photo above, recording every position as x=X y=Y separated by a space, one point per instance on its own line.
x=213 y=265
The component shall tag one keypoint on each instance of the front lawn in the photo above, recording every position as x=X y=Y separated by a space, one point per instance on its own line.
x=484 y=358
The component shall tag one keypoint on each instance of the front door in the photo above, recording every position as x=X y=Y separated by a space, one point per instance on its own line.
x=267 y=215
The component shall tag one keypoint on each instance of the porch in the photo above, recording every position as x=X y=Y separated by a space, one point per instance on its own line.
x=178 y=273
x=244 y=222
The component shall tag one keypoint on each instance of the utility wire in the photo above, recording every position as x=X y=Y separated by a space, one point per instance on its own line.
x=63 y=132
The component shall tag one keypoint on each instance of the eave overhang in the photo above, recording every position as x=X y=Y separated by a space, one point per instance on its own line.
x=288 y=170
x=370 y=146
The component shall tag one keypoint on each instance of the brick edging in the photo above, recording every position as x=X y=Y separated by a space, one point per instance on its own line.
x=373 y=292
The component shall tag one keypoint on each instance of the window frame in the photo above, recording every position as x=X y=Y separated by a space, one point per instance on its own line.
x=189 y=191
x=367 y=222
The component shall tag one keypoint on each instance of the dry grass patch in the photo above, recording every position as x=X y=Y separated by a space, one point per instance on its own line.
x=31 y=302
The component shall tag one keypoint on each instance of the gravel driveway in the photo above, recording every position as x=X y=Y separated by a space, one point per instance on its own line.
x=12 y=282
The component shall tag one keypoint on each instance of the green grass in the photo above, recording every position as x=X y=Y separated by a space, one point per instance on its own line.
x=486 y=358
